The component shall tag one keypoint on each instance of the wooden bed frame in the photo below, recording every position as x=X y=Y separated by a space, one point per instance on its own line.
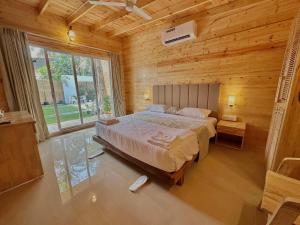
x=174 y=177
x=182 y=95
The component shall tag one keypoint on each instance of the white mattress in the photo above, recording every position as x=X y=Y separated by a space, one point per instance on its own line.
x=130 y=136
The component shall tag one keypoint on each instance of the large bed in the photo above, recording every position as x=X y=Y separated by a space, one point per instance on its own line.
x=130 y=137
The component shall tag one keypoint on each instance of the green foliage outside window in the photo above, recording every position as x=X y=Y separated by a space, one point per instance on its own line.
x=106 y=104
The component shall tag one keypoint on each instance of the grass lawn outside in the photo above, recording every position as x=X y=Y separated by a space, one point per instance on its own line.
x=67 y=113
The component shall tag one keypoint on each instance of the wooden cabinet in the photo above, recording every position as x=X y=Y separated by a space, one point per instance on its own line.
x=19 y=156
x=231 y=134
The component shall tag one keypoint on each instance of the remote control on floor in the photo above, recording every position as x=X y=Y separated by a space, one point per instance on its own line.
x=138 y=183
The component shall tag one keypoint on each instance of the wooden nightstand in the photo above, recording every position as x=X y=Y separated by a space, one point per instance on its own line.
x=231 y=134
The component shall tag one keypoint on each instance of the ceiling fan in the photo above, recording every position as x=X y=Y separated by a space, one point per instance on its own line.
x=129 y=5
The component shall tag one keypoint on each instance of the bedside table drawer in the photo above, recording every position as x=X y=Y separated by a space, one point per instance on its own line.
x=231 y=130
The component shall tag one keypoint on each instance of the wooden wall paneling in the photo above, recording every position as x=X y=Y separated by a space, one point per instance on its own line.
x=203 y=96
x=184 y=96
x=193 y=95
x=66 y=47
x=169 y=95
x=240 y=48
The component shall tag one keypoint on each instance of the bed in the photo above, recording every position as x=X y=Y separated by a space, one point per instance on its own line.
x=129 y=138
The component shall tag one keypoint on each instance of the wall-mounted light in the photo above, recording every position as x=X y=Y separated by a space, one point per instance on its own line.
x=231 y=101
x=71 y=34
x=146 y=97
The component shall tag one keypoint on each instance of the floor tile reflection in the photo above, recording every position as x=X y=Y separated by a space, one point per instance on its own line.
x=72 y=167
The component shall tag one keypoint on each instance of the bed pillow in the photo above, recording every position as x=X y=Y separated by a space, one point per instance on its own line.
x=194 y=112
x=157 y=108
x=172 y=110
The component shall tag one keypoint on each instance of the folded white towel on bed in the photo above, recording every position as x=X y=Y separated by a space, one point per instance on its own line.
x=160 y=144
x=162 y=140
x=160 y=136
x=108 y=121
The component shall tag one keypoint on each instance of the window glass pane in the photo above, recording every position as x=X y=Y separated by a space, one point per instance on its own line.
x=42 y=78
x=86 y=87
x=89 y=86
x=64 y=88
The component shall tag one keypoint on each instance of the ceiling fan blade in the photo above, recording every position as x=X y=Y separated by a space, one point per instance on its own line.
x=115 y=4
x=141 y=12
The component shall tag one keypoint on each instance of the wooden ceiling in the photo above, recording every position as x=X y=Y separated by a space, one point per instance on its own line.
x=118 y=22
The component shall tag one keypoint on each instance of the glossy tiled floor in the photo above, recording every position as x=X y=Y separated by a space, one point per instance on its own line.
x=222 y=189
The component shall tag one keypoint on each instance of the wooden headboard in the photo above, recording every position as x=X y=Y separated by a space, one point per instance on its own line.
x=188 y=95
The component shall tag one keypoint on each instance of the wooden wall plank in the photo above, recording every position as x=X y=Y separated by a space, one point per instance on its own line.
x=242 y=49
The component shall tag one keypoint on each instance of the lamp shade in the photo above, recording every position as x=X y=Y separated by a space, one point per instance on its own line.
x=146 y=96
x=231 y=101
x=71 y=34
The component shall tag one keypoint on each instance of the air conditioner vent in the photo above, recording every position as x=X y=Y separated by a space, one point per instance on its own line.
x=181 y=33
x=178 y=38
x=170 y=30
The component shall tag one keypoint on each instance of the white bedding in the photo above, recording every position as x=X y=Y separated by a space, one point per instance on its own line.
x=131 y=135
x=209 y=122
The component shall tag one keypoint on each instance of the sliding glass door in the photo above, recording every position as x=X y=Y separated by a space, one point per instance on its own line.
x=74 y=90
x=87 y=88
x=64 y=84
x=45 y=87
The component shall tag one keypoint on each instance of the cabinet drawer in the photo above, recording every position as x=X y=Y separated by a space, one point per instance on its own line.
x=231 y=130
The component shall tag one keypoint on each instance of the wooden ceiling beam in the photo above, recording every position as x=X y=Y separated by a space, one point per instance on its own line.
x=81 y=11
x=116 y=16
x=107 y=21
x=43 y=6
x=163 y=14
x=184 y=6
x=143 y=3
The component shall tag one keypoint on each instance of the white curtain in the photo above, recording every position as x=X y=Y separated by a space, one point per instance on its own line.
x=18 y=77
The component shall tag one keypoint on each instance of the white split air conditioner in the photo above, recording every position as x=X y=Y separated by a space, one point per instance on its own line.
x=181 y=33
